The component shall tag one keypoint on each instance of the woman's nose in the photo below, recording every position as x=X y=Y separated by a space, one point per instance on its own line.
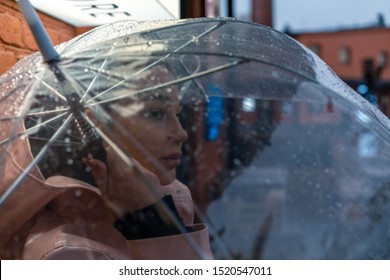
x=178 y=133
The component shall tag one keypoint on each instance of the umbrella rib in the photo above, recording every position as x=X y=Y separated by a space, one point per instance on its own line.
x=31 y=129
x=180 y=80
x=97 y=74
x=48 y=112
x=200 y=87
x=33 y=163
x=57 y=141
x=51 y=89
x=231 y=56
x=194 y=39
x=54 y=128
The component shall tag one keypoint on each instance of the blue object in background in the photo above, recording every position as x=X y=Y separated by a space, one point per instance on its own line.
x=367 y=93
x=214 y=115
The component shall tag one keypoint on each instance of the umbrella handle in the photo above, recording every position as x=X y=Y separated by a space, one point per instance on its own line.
x=41 y=37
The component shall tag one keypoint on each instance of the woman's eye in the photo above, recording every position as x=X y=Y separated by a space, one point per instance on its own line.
x=158 y=115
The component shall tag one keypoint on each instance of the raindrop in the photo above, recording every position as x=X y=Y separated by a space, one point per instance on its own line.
x=77 y=193
x=150 y=43
x=94 y=226
x=69 y=149
x=70 y=161
x=67 y=140
x=339 y=205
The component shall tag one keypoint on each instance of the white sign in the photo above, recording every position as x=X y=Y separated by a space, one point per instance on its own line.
x=97 y=12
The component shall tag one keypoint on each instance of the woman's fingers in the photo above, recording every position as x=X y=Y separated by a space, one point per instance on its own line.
x=125 y=188
x=99 y=172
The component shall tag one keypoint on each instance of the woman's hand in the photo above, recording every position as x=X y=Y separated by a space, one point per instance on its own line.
x=124 y=188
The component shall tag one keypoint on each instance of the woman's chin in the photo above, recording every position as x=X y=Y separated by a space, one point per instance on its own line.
x=167 y=178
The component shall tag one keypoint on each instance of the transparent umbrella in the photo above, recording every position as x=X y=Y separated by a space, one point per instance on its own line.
x=283 y=160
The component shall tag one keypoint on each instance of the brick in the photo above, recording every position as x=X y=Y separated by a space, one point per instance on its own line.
x=11 y=30
x=8 y=59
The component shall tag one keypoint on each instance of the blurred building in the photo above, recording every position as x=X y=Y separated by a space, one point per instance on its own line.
x=359 y=56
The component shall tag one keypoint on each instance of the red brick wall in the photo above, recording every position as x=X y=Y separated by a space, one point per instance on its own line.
x=364 y=43
x=16 y=40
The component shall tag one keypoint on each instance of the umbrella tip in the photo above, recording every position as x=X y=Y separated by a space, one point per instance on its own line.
x=45 y=45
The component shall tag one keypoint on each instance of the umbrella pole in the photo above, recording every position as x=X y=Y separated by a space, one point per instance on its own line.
x=41 y=37
x=51 y=57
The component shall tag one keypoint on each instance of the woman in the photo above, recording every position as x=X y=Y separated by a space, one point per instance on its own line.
x=138 y=211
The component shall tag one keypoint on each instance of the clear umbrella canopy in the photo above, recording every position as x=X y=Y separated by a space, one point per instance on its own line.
x=283 y=160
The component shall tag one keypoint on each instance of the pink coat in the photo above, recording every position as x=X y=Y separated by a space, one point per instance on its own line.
x=62 y=218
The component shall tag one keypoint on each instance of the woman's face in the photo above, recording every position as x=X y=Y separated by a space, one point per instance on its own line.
x=153 y=122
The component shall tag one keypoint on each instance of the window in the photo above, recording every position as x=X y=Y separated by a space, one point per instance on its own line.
x=345 y=55
x=383 y=58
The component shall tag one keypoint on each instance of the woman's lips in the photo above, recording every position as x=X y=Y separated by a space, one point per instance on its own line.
x=172 y=160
